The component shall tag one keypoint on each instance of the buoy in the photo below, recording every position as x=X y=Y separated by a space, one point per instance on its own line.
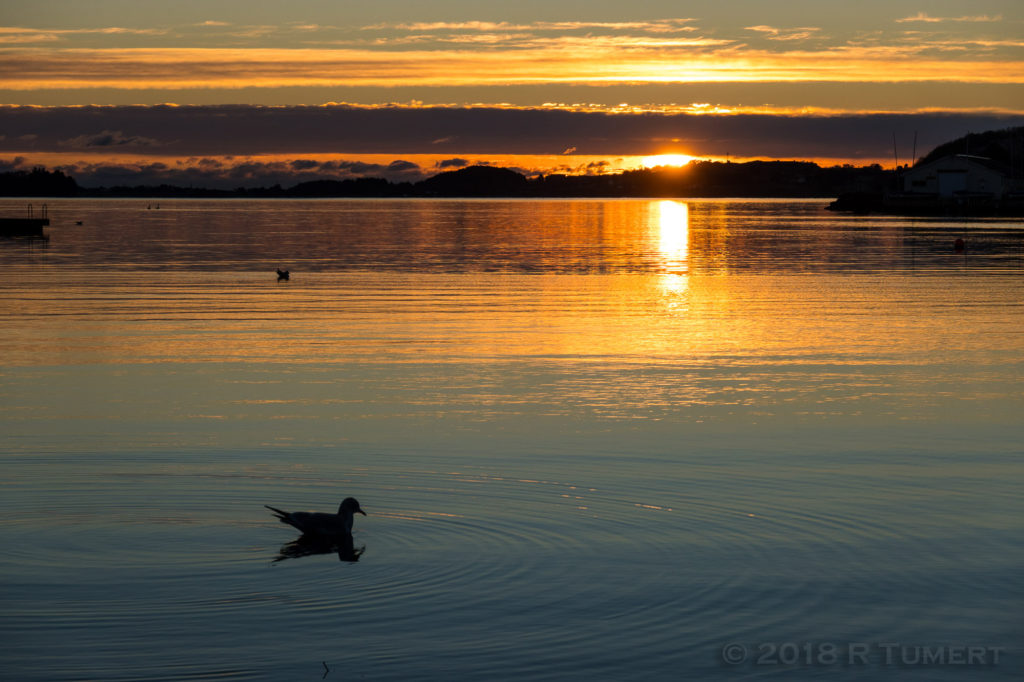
x=958 y=245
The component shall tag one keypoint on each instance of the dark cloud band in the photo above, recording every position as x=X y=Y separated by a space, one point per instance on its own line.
x=251 y=130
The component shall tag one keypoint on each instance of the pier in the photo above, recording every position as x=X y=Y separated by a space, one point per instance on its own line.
x=29 y=226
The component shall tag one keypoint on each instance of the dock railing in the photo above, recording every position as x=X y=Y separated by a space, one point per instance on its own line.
x=43 y=212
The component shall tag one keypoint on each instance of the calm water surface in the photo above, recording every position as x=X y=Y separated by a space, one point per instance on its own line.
x=597 y=440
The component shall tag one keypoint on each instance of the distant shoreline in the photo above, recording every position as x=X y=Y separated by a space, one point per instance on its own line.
x=858 y=190
x=698 y=179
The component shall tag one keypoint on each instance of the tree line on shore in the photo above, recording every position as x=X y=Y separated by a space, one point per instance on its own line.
x=696 y=179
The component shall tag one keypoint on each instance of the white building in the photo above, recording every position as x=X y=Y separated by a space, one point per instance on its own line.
x=957 y=175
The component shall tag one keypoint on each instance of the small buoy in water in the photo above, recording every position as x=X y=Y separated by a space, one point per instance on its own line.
x=958 y=245
x=282 y=274
x=78 y=222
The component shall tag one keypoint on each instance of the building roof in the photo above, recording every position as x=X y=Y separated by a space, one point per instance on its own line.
x=983 y=161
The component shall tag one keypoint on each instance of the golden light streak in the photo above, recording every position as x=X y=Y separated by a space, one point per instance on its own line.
x=666 y=160
x=620 y=108
x=572 y=62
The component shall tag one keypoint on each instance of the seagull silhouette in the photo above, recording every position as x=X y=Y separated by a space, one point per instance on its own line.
x=318 y=524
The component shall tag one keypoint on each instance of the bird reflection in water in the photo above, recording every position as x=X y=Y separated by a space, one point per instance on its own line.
x=308 y=545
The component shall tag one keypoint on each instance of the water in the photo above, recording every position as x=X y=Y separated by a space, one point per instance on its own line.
x=597 y=440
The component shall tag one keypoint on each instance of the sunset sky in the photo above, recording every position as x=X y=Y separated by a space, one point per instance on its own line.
x=249 y=92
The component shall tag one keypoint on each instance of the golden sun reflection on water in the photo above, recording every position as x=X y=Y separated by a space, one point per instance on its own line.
x=673 y=230
x=652 y=310
x=674 y=234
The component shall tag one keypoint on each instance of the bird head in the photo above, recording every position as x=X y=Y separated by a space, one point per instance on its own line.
x=351 y=506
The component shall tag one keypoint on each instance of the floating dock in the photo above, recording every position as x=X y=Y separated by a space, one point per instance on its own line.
x=29 y=226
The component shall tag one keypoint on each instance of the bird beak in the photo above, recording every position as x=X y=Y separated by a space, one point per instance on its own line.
x=361 y=512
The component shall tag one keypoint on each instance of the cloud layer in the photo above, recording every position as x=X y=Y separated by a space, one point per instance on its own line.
x=862 y=48
x=259 y=145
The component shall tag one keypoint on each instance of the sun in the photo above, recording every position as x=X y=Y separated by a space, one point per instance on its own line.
x=666 y=160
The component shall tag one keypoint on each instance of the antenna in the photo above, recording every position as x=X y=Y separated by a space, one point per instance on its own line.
x=913 y=160
x=895 y=155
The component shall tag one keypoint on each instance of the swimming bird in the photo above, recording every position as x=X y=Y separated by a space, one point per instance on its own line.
x=282 y=275
x=320 y=524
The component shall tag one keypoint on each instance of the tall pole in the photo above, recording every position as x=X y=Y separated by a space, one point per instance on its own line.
x=896 y=170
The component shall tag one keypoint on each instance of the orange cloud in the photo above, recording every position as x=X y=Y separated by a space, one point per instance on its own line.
x=658 y=25
x=925 y=18
x=772 y=33
x=17 y=34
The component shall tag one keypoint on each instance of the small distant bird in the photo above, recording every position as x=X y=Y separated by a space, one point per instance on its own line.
x=318 y=524
x=282 y=275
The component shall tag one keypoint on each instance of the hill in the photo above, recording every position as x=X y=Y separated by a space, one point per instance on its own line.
x=475 y=181
x=1002 y=146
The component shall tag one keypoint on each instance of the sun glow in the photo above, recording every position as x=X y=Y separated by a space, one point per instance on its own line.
x=666 y=160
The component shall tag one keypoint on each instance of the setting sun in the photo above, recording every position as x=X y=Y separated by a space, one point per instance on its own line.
x=666 y=160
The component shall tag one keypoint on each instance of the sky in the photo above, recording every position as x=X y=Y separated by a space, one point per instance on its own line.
x=229 y=93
